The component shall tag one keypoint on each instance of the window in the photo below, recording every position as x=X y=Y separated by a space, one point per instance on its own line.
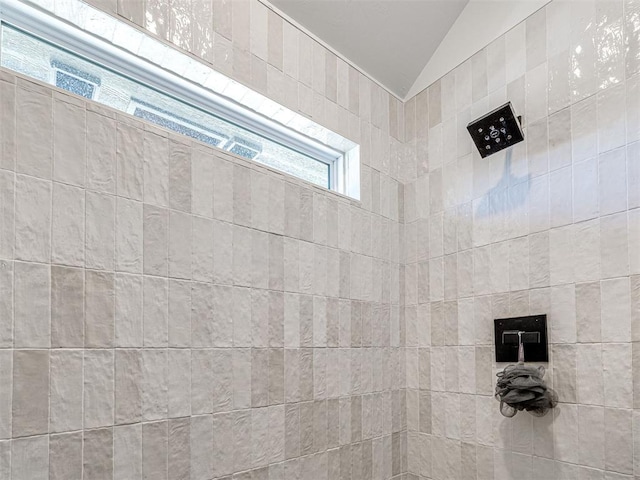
x=170 y=120
x=76 y=81
x=173 y=91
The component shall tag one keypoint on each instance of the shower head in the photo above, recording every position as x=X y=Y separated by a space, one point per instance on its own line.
x=496 y=130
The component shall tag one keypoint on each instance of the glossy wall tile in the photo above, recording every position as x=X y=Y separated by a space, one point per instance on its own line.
x=547 y=228
x=172 y=311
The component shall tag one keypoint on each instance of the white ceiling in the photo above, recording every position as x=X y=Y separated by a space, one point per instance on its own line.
x=391 y=40
x=480 y=23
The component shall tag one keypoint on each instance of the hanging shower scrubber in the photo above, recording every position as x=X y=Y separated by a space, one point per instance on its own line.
x=521 y=387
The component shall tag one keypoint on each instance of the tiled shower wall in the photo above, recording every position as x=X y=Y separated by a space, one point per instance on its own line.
x=168 y=310
x=551 y=227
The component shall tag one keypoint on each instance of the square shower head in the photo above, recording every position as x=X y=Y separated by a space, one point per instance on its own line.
x=496 y=130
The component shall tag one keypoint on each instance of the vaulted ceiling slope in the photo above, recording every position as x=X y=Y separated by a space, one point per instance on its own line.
x=391 y=40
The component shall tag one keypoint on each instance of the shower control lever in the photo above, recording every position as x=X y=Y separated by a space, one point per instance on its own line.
x=527 y=334
x=511 y=336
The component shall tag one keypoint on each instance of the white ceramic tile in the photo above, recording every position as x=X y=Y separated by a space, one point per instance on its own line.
x=584 y=130
x=258 y=30
x=587 y=251
x=539 y=273
x=539 y=204
x=590 y=380
x=614 y=245
x=616 y=325
x=536 y=36
x=633 y=109
x=618 y=382
x=499 y=267
x=610 y=63
x=515 y=52
x=566 y=439
x=29 y=458
x=634 y=241
x=591 y=430
x=67 y=229
x=129 y=235
x=32 y=219
x=560 y=197
x=618 y=440
x=612 y=181
x=562 y=317
x=463 y=79
x=560 y=151
x=34 y=133
x=69 y=147
x=585 y=190
x=156 y=169
x=536 y=92
x=636 y=426
x=588 y=307
x=465 y=273
x=564 y=372
x=32 y=305
x=537 y=147
x=583 y=52
x=99 y=226
x=496 y=64
x=561 y=258
x=558 y=35
x=611 y=118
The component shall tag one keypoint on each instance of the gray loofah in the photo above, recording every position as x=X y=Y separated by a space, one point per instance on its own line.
x=521 y=387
